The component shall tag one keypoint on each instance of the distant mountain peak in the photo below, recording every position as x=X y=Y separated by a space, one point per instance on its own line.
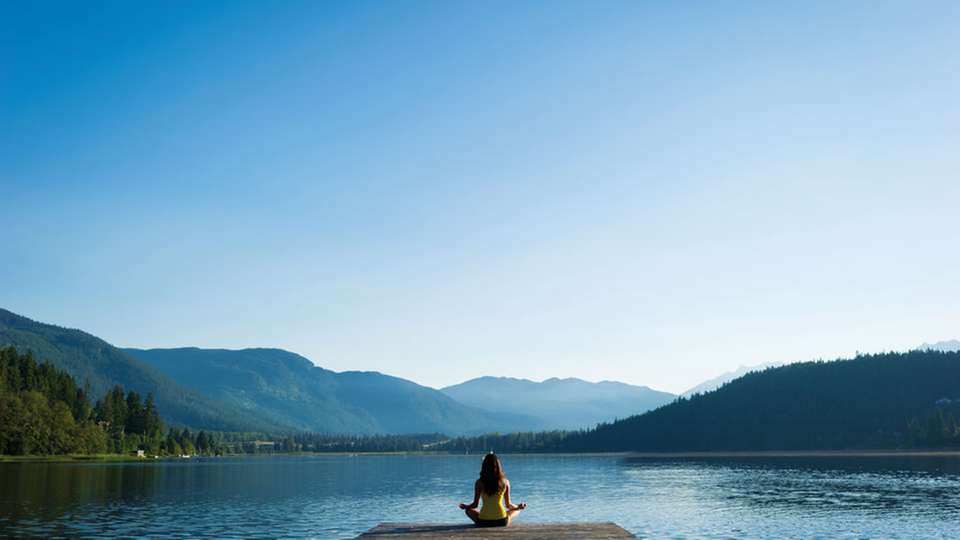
x=950 y=345
x=712 y=384
x=560 y=403
x=550 y=380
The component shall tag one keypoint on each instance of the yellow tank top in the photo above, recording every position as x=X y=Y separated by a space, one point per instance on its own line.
x=492 y=505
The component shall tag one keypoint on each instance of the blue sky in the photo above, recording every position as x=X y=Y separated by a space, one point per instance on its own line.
x=638 y=191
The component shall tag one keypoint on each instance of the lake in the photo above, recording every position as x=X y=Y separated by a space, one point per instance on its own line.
x=341 y=496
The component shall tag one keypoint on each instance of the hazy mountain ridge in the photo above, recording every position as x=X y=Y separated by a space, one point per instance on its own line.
x=252 y=389
x=288 y=388
x=559 y=403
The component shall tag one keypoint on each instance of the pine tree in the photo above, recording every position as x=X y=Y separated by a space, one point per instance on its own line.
x=202 y=443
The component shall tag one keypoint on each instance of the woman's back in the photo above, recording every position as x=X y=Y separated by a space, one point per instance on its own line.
x=497 y=510
x=492 y=504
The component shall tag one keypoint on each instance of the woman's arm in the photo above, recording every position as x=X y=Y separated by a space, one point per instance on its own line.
x=476 y=497
x=506 y=499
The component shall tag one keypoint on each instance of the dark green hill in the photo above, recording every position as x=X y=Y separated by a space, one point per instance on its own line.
x=95 y=363
x=866 y=402
x=291 y=390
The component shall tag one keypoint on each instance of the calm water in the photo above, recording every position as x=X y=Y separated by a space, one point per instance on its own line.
x=341 y=496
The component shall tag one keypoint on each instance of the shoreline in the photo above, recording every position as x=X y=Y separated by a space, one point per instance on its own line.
x=73 y=458
x=108 y=458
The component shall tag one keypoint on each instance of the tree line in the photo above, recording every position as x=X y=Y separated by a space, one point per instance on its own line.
x=286 y=443
x=273 y=443
x=523 y=443
x=939 y=428
x=892 y=400
x=280 y=443
x=44 y=412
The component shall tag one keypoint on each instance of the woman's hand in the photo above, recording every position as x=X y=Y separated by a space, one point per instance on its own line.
x=463 y=506
x=521 y=506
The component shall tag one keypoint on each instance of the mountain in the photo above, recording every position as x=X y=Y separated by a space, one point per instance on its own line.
x=289 y=389
x=951 y=345
x=871 y=401
x=722 y=379
x=99 y=365
x=559 y=403
x=252 y=389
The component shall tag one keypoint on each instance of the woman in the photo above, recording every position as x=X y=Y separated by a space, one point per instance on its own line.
x=494 y=488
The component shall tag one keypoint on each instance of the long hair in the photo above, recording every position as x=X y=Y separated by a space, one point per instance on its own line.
x=491 y=474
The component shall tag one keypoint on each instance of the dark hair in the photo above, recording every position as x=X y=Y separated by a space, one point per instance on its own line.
x=491 y=474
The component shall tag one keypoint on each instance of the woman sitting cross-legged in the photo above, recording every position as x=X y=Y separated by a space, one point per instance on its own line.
x=494 y=488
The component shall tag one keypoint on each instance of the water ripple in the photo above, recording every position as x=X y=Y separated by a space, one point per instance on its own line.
x=341 y=496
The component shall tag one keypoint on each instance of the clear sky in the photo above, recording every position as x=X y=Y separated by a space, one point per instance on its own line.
x=651 y=192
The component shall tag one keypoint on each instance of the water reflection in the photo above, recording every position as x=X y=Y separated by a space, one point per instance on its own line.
x=829 y=496
x=340 y=496
x=869 y=484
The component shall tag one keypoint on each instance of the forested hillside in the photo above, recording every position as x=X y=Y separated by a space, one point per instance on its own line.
x=887 y=400
x=42 y=411
x=713 y=383
x=96 y=364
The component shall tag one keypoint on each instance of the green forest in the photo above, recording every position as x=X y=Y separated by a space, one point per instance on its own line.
x=889 y=400
x=99 y=366
x=44 y=412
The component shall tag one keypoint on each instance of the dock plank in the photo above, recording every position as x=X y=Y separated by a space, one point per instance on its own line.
x=517 y=531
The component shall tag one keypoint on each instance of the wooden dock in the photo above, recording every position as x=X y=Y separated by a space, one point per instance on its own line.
x=518 y=531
